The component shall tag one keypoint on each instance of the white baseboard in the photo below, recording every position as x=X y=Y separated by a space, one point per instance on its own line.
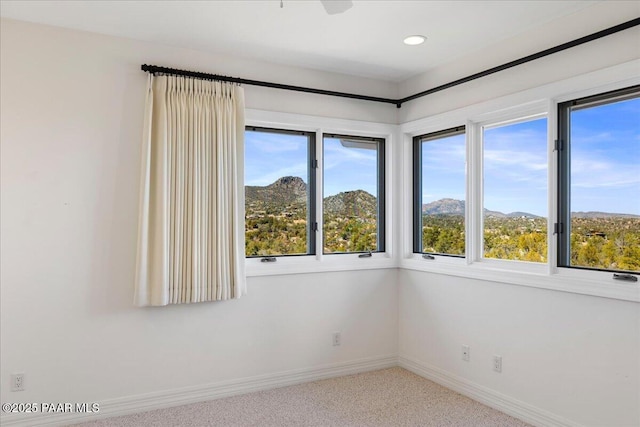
x=487 y=396
x=184 y=396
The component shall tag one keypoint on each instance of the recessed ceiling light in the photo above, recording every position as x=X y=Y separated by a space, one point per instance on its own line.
x=414 y=40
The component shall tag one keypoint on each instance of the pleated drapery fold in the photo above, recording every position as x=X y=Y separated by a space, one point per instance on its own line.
x=191 y=234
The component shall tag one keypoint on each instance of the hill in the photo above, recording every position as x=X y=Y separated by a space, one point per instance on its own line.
x=456 y=207
x=356 y=203
x=285 y=191
x=291 y=191
x=594 y=214
x=444 y=207
x=276 y=219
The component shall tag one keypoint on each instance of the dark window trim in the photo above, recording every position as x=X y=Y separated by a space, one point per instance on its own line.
x=417 y=185
x=312 y=215
x=311 y=187
x=563 y=150
x=381 y=196
x=417 y=195
x=280 y=131
x=604 y=98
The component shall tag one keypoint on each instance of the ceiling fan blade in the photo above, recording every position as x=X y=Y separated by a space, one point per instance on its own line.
x=333 y=7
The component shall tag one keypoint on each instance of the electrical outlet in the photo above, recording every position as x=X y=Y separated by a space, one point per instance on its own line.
x=337 y=339
x=466 y=353
x=17 y=382
x=497 y=363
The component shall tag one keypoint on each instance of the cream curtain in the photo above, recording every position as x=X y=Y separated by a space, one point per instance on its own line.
x=191 y=234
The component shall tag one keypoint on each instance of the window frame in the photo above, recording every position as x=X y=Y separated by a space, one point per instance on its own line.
x=380 y=197
x=518 y=115
x=286 y=265
x=312 y=222
x=562 y=148
x=417 y=188
x=514 y=273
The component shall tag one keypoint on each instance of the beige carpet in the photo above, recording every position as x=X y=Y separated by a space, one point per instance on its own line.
x=389 y=397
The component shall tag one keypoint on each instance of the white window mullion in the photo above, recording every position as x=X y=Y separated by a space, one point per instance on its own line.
x=474 y=203
x=407 y=196
x=552 y=192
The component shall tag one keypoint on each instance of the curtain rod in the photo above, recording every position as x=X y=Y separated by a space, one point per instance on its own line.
x=398 y=102
x=172 y=71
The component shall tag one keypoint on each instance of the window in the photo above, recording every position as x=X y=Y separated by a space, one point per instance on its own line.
x=526 y=209
x=515 y=191
x=279 y=192
x=353 y=199
x=599 y=182
x=439 y=192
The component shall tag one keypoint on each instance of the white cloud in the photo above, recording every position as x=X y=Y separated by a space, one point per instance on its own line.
x=593 y=171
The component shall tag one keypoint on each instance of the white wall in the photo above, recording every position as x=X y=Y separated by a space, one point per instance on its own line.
x=575 y=356
x=72 y=106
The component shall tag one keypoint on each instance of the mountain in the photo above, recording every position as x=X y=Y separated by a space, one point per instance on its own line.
x=290 y=192
x=456 y=207
x=444 y=207
x=592 y=214
x=356 y=203
x=286 y=190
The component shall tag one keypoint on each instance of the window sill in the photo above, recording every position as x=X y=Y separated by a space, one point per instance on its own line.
x=317 y=264
x=600 y=285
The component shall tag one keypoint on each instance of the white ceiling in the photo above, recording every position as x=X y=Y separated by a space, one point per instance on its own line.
x=364 y=41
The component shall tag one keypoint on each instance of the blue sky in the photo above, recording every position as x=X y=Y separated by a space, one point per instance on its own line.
x=348 y=168
x=443 y=169
x=269 y=156
x=515 y=168
x=605 y=158
x=605 y=163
